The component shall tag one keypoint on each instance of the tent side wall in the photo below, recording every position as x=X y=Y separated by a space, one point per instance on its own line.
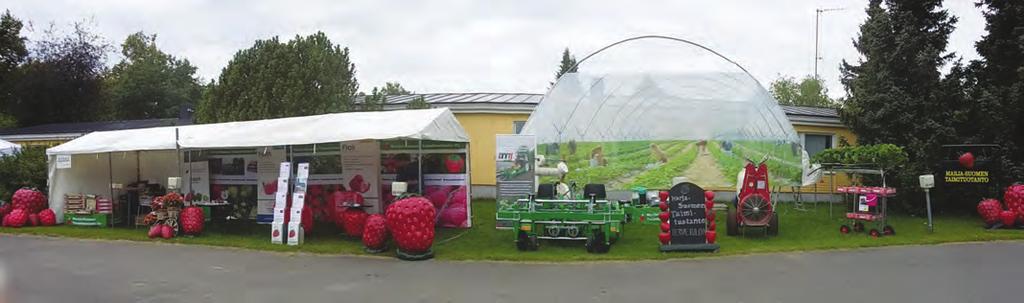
x=93 y=174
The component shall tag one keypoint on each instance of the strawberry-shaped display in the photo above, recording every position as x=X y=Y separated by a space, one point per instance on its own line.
x=664 y=237
x=191 y=219
x=47 y=217
x=357 y=184
x=166 y=231
x=711 y=236
x=411 y=222
x=17 y=218
x=29 y=199
x=454 y=164
x=354 y=221
x=33 y=220
x=1014 y=198
x=989 y=210
x=375 y=233
x=155 y=230
x=967 y=160
x=1008 y=218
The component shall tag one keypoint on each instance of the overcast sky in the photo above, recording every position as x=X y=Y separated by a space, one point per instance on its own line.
x=488 y=46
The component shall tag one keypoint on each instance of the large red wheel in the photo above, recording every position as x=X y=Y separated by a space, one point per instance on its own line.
x=844 y=229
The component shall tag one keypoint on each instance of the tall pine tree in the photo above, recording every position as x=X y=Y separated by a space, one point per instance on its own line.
x=998 y=115
x=567 y=65
x=897 y=93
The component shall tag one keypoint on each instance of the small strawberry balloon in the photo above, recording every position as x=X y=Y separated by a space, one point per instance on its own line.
x=967 y=160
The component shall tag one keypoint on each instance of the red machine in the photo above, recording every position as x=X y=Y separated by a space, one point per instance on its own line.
x=753 y=205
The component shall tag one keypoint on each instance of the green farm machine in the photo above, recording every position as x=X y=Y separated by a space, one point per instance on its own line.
x=589 y=217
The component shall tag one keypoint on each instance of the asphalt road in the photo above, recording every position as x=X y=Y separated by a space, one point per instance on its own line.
x=63 y=270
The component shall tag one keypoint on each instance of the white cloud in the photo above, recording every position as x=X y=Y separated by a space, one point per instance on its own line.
x=500 y=46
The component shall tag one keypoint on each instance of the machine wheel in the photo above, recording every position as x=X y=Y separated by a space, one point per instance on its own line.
x=888 y=230
x=844 y=229
x=858 y=227
x=773 y=225
x=874 y=233
x=596 y=243
x=731 y=227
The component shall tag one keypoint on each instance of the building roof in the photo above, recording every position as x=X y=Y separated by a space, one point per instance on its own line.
x=804 y=115
x=522 y=103
x=58 y=131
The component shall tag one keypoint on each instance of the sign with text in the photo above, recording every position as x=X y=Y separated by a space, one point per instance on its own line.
x=687 y=219
x=63 y=161
x=515 y=172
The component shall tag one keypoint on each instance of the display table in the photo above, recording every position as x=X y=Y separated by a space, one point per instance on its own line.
x=101 y=220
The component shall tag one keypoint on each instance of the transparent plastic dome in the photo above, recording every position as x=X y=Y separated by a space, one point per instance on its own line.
x=645 y=110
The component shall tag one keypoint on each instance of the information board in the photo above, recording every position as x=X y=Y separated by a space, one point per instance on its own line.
x=687 y=219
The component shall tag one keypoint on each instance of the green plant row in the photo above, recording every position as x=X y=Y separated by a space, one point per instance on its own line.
x=886 y=156
x=661 y=177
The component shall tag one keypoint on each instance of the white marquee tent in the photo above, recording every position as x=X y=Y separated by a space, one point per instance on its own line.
x=8 y=148
x=101 y=158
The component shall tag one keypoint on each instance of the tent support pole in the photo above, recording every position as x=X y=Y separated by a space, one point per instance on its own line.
x=177 y=153
x=419 y=169
x=110 y=185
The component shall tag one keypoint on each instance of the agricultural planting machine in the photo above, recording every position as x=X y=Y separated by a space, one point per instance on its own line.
x=753 y=207
x=588 y=217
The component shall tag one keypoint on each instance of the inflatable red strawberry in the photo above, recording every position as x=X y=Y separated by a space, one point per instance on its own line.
x=1014 y=198
x=354 y=220
x=17 y=218
x=375 y=233
x=31 y=200
x=47 y=217
x=166 y=231
x=1008 y=218
x=711 y=236
x=155 y=230
x=665 y=227
x=33 y=220
x=6 y=209
x=664 y=238
x=411 y=222
x=191 y=219
x=989 y=209
x=663 y=216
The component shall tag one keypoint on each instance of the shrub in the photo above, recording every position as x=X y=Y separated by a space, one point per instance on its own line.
x=24 y=169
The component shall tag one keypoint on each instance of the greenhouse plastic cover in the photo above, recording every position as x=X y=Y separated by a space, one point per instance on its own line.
x=659 y=90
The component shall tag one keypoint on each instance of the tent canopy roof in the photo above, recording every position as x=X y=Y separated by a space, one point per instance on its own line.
x=426 y=124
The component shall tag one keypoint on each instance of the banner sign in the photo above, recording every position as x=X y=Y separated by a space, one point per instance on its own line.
x=515 y=175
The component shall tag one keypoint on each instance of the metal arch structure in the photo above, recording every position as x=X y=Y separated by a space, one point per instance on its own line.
x=701 y=46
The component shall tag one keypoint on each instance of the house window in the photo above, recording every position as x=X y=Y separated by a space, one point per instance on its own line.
x=816 y=143
x=518 y=126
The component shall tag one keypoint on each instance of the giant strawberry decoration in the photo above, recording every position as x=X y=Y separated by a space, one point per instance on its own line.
x=454 y=164
x=47 y=217
x=6 y=209
x=1014 y=198
x=411 y=221
x=155 y=230
x=989 y=210
x=166 y=231
x=967 y=160
x=17 y=218
x=353 y=219
x=1008 y=218
x=375 y=233
x=191 y=219
x=31 y=200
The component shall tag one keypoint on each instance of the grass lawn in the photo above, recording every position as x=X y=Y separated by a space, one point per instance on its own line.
x=799 y=231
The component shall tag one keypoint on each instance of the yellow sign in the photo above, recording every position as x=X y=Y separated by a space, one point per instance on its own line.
x=966 y=176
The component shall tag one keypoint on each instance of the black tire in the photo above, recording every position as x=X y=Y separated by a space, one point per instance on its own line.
x=773 y=225
x=731 y=227
x=596 y=243
x=523 y=242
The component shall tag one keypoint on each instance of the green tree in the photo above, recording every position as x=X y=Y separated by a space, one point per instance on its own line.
x=896 y=91
x=567 y=65
x=305 y=76
x=418 y=103
x=373 y=102
x=62 y=79
x=12 y=45
x=394 y=88
x=23 y=169
x=997 y=114
x=808 y=92
x=149 y=83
